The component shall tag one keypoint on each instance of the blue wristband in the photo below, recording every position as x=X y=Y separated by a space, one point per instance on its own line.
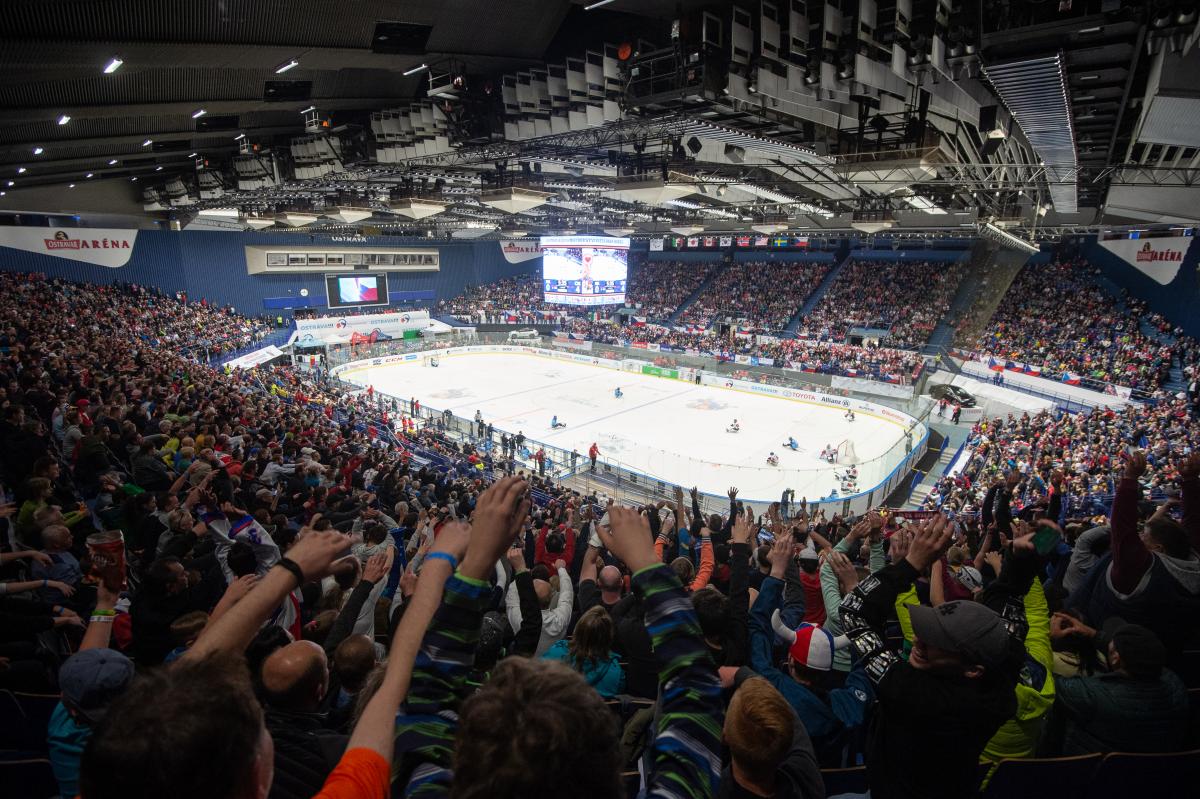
x=446 y=556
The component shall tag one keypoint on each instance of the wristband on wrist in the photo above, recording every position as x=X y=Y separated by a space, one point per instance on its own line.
x=98 y=619
x=446 y=556
x=104 y=612
x=294 y=568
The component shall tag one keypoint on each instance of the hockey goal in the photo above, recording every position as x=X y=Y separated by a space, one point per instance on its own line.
x=430 y=360
x=846 y=453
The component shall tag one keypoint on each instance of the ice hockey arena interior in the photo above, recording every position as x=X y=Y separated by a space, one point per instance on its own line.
x=599 y=399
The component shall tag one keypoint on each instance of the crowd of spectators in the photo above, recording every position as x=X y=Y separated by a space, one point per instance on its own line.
x=1085 y=447
x=905 y=298
x=761 y=296
x=657 y=288
x=302 y=603
x=1057 y=317
x=511 y=299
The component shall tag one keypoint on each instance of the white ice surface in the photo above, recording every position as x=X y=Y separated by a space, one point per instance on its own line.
x=663 y=428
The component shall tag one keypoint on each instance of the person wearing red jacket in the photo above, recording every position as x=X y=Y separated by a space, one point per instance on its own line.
x=550 y=547
x=593 y=451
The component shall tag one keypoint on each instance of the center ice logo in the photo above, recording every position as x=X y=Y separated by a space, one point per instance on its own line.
x=451 y=393
x=707 y=405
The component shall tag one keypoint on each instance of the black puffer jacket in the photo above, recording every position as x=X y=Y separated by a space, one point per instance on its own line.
x=305 y=753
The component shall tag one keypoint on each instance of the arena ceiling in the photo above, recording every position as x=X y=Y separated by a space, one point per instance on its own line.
x=476 y=118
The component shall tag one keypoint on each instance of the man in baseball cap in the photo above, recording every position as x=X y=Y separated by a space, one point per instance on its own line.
x=938 y=710
x=957 y=634
x=90 y=681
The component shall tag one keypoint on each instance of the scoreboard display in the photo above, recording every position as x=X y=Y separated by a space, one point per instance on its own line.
x=584 y=270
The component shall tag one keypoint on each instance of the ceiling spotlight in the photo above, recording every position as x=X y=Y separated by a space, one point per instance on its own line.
x=597 y=5
x=64 y=119
x=199 y=112
x=20 y=170
x=284 y=67
x=89 y=174
x=158 y=169
x=193 y=155
x=70 y=185
x=112 y=162
x=134 y=177
x=2 y=193
x=309 y=110
x=38 y=151
x=12 y=183
x=113 y=65
x=239 y=137
x=415 y=70
x=147 y=142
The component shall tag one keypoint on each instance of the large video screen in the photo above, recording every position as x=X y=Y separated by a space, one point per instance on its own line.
x=347 y=291
x=584 y=270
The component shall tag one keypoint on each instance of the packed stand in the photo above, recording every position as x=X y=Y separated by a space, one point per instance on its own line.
x=762 y=295
x=906 y=298
x=658 y=288
x=508 y=300
x=1058 y=318
x=301 y=605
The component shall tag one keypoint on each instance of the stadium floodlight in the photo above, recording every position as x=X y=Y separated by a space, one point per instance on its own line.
x=113 y=65
x=285 y=66
x=147 y=142
x=64 y=119
x=38 y=150
x=199 y=112
x=415 y=70
x=1005 y=239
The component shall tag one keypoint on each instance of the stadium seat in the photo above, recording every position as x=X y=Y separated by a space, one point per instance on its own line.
x=27 y=779
x=1123 y=774
x=844 y=780
x=23 y=722
x=1052 y=778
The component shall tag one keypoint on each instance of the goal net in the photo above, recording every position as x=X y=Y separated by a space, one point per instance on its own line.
x=429 y=360
x=846 y=453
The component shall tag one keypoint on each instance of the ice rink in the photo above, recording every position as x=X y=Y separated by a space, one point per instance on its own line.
x=664 y=428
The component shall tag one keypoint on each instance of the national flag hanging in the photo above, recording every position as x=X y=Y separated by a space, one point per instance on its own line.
x=1070 y=379
x=995 y=365
x=1033 y=371
x=1013 y=367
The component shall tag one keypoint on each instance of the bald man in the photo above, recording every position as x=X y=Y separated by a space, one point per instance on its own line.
x=295 y=679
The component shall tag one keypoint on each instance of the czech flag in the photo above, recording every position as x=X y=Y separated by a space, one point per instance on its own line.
x=1033 y=371
x=995 y=365
x=1070 y=379
x=852 y=373
x=1013 y=367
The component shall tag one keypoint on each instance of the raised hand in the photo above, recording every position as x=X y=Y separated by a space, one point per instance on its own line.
x=516 y=557
x=376 y=568
x=779 y=556
x=1135 y=464
x=931 y=541
x=628 y=538
x=733 y=493
x=845 y=571
x=316 y=552
x=453 y=539
x=741 y=529
x=240 y=587
x=499 y=512
x=898 y=545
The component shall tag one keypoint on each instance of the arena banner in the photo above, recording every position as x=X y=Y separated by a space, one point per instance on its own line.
x=562 y=340
x=383 y=326
x=518 y=250
x=1158 y=259
x=871 y=387
x=656 y=245
x=257 y=358
x=101 y=246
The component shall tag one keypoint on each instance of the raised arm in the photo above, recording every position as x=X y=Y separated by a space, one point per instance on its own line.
x=687 y=744
x=1130 y=558
x=529 y=630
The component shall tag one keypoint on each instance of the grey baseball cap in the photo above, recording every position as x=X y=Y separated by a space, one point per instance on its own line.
x=90 y=680
x=973 y=630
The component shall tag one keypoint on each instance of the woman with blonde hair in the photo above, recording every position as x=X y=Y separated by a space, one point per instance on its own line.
x=590 y=653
